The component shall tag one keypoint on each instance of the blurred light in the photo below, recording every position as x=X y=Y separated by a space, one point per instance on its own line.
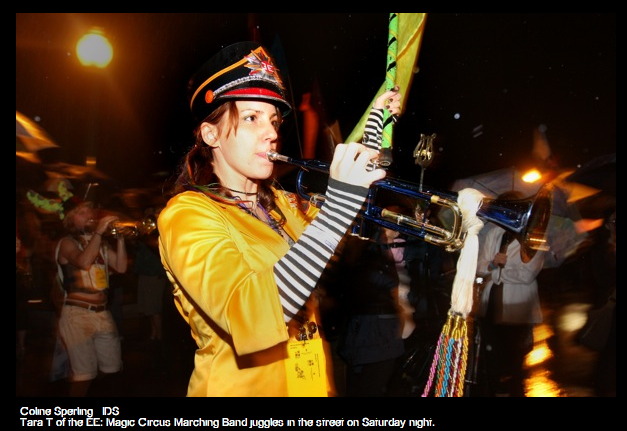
x=90 y=161
x=540 y=385
x=540 y=353
x=477 y=131
x=531 y=176
x=94 y=49
x=542 y=332
x=539 y=382
x=588 y=224
x=573 y=317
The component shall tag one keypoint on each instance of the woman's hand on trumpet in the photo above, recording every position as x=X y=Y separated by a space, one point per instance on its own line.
x=350 y=165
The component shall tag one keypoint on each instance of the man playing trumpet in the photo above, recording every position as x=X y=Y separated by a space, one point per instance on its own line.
x=86 y=326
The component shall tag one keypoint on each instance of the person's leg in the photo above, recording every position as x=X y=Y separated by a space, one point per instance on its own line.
x=79 y=389
x=109 y=355
x=21 y=320
x=517 y=341
x=490 y=355
x=107 y=344
x=155 y=327
x=605 y=371
x=21 y=342
x=76 y=327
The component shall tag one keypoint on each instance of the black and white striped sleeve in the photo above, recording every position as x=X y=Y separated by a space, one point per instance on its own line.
x=373 y=129
x=298 y=272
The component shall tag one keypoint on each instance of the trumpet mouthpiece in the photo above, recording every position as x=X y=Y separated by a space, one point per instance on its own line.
x=273 y=156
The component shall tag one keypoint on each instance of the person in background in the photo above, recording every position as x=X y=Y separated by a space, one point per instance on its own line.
x=604 y=271
x=86 y=326
x=377 y=283
x=242 y=255
x=23 y=284
x=425 y=262
x=151 y=280
x=509 y=307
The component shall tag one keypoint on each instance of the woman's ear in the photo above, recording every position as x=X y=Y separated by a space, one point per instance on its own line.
x=209 y=134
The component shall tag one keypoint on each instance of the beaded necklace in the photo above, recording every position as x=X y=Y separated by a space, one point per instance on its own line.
x=269 y=220
x=212 y=190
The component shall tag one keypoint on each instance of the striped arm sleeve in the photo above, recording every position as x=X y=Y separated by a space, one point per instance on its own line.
x=298 y=272
x=373 y=129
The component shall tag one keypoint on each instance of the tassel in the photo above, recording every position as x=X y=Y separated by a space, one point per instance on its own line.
x=448 y=369
x=469 y=201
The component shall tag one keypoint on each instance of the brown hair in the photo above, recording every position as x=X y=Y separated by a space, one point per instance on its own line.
x=196 y=168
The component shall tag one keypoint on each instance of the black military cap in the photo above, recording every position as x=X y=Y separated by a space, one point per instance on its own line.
x=242 y=71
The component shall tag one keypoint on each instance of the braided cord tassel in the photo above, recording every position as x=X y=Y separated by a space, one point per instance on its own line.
x=434 y=364
x=461 y=357
x=448 y=369
x=439 y=356
x=455 y=331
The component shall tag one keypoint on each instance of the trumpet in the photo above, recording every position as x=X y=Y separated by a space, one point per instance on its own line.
x=527 y=218
x=132 y=229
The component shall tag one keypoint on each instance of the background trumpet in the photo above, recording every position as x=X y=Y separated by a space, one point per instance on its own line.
x=132 y=229
x=526 y=218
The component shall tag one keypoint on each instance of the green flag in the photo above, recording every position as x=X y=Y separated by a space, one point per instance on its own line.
x=410 y=29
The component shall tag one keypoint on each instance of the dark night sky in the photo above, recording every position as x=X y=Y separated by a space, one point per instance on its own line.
x=504 y=74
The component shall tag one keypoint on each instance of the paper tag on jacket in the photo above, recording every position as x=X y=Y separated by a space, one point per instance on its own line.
x=306 y=368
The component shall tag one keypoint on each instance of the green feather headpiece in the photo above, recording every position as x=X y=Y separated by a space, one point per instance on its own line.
x=66 y=202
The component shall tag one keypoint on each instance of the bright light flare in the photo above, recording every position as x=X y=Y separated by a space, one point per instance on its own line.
x=574 y=317
x=94 y=49
x=541 y=352
x=539 y=382
x=531 y=176
x=588 y=224
x=541 y=385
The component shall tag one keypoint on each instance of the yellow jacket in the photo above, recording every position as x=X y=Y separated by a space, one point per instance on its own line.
x=220 y=261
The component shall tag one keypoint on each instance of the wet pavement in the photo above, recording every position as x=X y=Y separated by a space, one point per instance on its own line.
x=557 y=366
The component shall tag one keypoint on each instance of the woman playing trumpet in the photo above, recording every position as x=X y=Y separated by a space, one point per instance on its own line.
x=241 y=254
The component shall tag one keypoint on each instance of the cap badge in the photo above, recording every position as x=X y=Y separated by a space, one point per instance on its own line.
x=260 y=63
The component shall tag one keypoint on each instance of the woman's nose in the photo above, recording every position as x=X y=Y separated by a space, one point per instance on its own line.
x=270 y=132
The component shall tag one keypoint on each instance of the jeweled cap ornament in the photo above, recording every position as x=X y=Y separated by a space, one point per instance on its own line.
x=242 y=71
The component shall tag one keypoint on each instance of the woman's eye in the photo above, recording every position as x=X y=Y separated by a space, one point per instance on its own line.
x=250 y=117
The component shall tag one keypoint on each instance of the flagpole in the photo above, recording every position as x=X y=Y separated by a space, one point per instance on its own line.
x=385 y=158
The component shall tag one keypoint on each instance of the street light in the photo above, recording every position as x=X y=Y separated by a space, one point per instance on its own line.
x=94 y=50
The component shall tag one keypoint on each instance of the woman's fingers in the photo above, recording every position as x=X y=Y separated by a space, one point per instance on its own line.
x=390 y=100
x=351 y=162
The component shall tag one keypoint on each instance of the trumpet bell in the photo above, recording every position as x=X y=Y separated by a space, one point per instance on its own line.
x=527 y=218
x=132 y=229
